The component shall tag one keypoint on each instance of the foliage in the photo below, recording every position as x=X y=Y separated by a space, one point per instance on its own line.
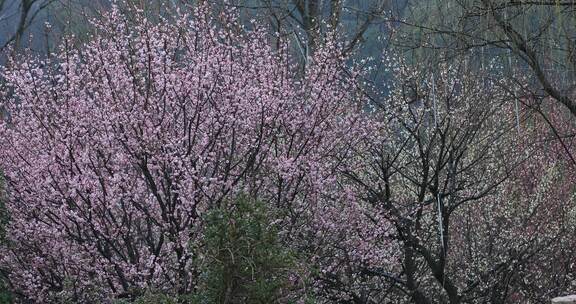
x=151 y=298
x=243 y=259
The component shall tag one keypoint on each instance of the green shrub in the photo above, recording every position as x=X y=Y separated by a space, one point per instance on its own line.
x=152 y=298
x=243 y=261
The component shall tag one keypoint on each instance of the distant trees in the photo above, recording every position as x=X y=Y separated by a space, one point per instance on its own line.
x=308 y=23
x=530 y=36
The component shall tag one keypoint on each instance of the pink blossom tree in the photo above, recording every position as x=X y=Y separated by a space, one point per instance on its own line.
x=113 y=152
